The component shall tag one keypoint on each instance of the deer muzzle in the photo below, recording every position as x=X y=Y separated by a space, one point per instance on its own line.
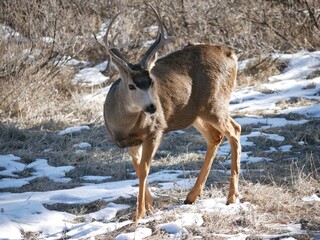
x=150 y=109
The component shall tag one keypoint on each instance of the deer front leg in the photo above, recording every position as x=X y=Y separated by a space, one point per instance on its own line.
x=149 y=147
x=135 y=153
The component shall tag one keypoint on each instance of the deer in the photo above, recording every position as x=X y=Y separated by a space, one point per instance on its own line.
x=188 y=87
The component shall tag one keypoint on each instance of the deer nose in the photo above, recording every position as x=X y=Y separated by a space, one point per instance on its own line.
x=151 y=109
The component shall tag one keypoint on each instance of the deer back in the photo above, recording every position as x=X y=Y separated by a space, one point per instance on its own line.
x=194 y=82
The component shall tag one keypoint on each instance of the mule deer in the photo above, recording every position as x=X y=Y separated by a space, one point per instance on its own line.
x=188 y=87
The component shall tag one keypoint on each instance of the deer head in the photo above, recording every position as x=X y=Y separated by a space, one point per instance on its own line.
x=136 y=77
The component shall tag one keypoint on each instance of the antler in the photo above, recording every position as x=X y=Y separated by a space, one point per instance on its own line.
x=158 y=43
x=114 y=53
x=120 y=61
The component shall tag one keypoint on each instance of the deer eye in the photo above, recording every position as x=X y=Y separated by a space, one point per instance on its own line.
x=132 y=87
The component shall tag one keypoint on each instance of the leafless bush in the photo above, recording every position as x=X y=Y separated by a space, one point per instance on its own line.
x=250 y=27
x=36 y=38
x=38 y=34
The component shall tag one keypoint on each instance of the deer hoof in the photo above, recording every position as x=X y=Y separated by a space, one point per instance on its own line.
x=187 y=202
x=231 y=200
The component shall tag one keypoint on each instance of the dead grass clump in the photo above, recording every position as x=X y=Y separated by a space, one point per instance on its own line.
x=306 y=172
x=265 y=90
x=311 y=85
x=314 y=74
x=77 y=209
x=259 y=70
x=10 y=132
x=308 y=133
x=41 y=184
x=29 y=234
x=280 y=204
x=296 y=102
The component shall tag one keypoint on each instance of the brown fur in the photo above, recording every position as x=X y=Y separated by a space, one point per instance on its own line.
x=192 y=86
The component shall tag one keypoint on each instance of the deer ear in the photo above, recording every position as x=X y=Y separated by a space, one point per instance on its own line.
x=120 y=63
x=152 y=62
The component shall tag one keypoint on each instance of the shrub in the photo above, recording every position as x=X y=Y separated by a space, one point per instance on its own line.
x=37 y=36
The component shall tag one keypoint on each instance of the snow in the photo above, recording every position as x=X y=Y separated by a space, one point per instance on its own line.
x=74 y=62
x=239 y=236
x=40 y=219
x=291 y=228
x=139 y=234
x=39 y=168
x=72 y=130
x=311 y=111
x=178 y=132
x=108 y=213
x=95 y=178
x=285 y=148
x=300 y=65
x=312 y=198
x=26 y=211
x=83 y=146
x=7 y=33
x=290 y=84
x=174 y=228
x=178 y=228
x=97 y=96
x=11 y=165
x=268 y=122
x=43 y=169
x=170 y=179
x=92 y=76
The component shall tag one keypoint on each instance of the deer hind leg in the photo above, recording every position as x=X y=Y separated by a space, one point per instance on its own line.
x=234 y=140
x=232 y=130
x=213 y=139
x=135 y=153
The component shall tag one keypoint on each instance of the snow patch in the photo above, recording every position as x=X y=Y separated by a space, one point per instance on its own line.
x=312 y=198
x=11 y=165
x=108 y=213
x=83 y=146
x=7 y=33
x=39 y=168
x=72 y=130
x=91 y=76
x=95 y=178
x=268 y=122
x=139 y=234
x=285 y=148
x=43 y=169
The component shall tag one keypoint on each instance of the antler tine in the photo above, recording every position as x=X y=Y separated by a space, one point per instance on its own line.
x=108 y=30
x=160 y=23
x=114 y=53
x=159 y=42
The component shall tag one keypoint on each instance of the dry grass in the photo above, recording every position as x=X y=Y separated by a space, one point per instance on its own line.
x=35 y=87
x=296 y=102
x=272 y=204
x=258 y=71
